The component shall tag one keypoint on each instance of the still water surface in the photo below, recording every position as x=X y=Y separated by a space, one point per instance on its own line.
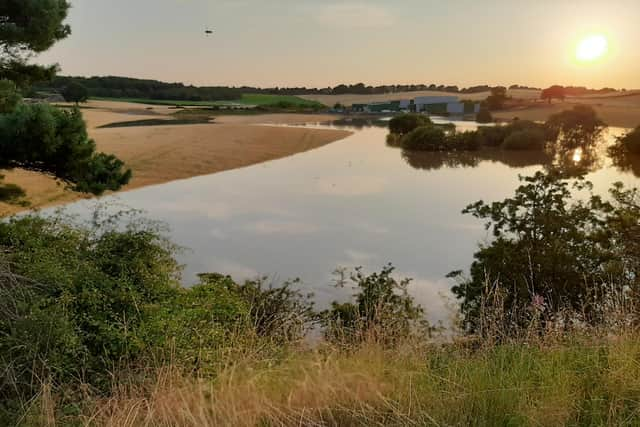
x=356 y=202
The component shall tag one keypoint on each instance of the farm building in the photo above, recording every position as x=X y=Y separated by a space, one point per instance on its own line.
x=449 y=105
x=377 y=107
x=436 y=105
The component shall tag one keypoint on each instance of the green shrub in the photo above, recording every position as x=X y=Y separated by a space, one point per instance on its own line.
x=406 y=123
x=428 y=138
x=383 y=310
x=73 y=300
x=529 y=139
x=193 y=328
x=47 y=139
x=467 y=141
x=492 y=136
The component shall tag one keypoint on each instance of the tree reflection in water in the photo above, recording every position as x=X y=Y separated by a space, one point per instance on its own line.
x=427 y=160
x=569 y=158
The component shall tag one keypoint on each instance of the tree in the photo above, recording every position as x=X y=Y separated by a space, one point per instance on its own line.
x=28 y=28
x=578 y=127
x=406 y=123
x=427 y=138
x=498 y=97
x=551 y=246
x=484 y=115
x=46 y=139
x=75 y=92
x=41 y=137
x=553 y=92
x=383 y=310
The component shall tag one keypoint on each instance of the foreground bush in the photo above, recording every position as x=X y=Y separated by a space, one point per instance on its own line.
x=580 y=381
x=383 y=311
x=556 y=250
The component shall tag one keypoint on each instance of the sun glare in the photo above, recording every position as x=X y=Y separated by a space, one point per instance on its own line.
x=592 y=48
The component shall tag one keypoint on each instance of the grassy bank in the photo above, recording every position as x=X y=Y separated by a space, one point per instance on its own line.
x=584 y=380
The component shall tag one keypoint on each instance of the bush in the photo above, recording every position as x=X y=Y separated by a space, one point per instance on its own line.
x=529 y=139
x=79 y=304
x=9 y=96
x=73 y=300
x=463 y=141
x=492 y=136
x=383 y=311
x=428 y=138
x=553 y=249
x=406 y=123
x=484 y=116
x=47 y=139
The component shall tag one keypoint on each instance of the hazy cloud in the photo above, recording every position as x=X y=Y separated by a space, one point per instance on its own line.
x=355 y=15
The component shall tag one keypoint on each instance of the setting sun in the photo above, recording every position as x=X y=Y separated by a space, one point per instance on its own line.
x=592 y=48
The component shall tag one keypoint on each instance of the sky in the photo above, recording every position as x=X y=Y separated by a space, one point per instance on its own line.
x=319 y=43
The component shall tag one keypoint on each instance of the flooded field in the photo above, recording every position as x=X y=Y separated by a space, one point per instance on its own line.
x=356 y=202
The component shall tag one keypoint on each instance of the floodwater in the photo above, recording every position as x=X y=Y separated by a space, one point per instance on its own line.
x=356 y=202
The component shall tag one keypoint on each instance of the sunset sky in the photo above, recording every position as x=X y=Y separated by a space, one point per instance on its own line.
x=320 y=43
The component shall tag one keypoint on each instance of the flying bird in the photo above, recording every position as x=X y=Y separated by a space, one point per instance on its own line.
x=208 y=32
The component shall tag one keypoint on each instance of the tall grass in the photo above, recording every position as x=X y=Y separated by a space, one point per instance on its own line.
x=554 y=369
x=578 y=382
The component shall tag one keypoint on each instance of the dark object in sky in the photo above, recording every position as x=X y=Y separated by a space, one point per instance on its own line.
x=208 y=32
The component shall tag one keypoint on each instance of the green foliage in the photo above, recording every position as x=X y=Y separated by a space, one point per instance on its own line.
x=193 y=327
x=552 y=246
x=428 y=138
x=73 y=300
x=9 y=96
x=484 y=115
x=28 y=27
x=526 y=139
x=383 y=310
x=34 y=25
x=576 y=127
x=75 y=92
x=282 y=313
x=40 y=137
x=43 y=138
x=80 y=303
x=406 y=123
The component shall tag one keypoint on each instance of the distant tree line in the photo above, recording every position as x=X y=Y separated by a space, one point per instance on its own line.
x=125 y=87
x=561 y=92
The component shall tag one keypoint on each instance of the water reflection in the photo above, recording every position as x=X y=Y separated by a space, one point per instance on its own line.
x=569 y=158
x=466 y=159
x=356 y=202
